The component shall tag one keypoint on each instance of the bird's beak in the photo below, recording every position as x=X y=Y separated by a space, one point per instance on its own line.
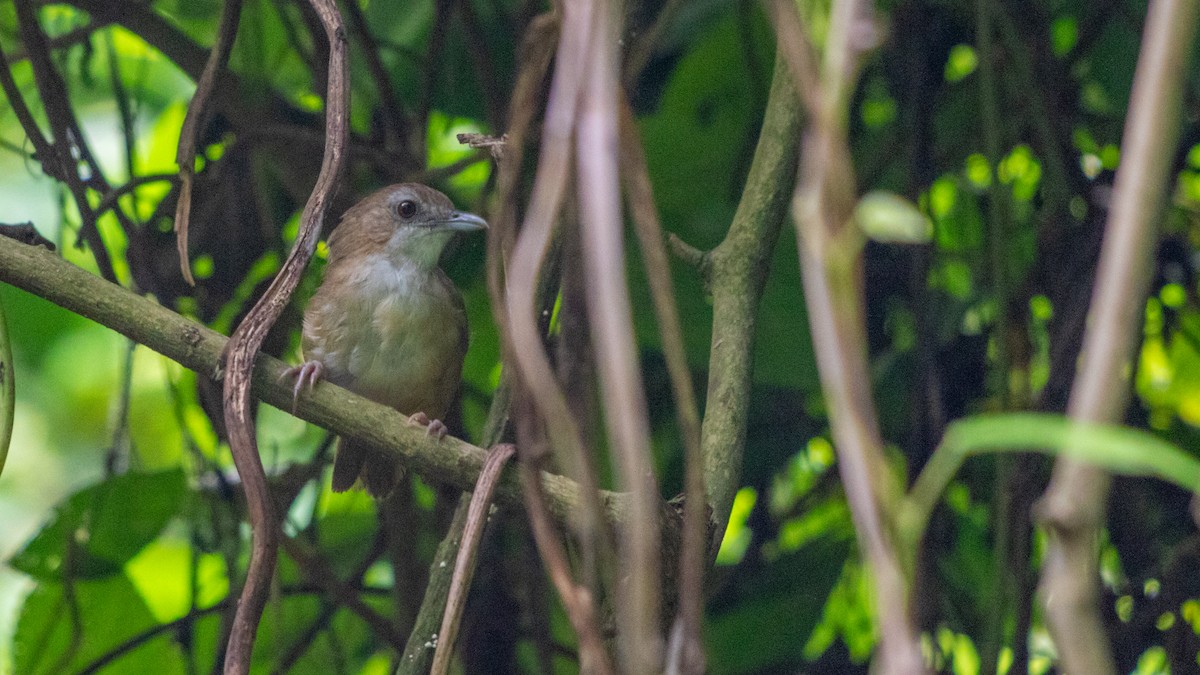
x=463 y=222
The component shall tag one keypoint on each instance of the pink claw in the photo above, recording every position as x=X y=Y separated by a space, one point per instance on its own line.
x=433 y=428
x=307 y=375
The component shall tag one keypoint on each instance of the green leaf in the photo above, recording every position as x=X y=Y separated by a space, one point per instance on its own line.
x=98 y=529
x=784 y=603
x=889 y=218
x=64 y=629
x=1115 y=448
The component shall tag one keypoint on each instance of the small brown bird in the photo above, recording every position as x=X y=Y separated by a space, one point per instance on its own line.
x=387 y=322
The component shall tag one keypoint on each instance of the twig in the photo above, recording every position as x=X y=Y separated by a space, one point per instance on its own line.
x=389 y=103
x=318 y=572
x=27 y=234
x=66 y=40
x=611 y=321
x=171 y=626
x=248 y=338
x=56 y=157
x=831 y=267
x=149 y=634
x=131 y=186
x=464 y=563
x=523 y=344
x=1073 y=506
x=16 y=101
x=305 y=640
x=493 y=144
x=8 y=391
x=120 y=449
x=198 y=113
x=70 y=145
x=687 y=652
x=125 y=111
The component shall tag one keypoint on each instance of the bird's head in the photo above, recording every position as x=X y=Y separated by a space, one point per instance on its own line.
x=409 y=222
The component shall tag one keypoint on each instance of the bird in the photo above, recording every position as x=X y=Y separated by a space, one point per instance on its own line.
x=386 y=321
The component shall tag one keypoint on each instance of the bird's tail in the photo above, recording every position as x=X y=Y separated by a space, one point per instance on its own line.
x=355 y=459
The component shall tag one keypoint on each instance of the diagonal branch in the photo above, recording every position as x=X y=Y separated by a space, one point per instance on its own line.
x=1073 y=507
x=198 y=348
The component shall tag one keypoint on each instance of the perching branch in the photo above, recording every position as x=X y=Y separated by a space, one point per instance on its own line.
x=198 y=348
x=1073 y=507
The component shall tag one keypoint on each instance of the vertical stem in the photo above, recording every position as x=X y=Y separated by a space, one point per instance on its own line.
x=611 y=320
x=1073 y=507
x=739 y=267
x=998 y=224
x=831 y=267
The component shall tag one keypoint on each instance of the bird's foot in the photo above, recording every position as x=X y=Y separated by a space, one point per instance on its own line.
x=307 y=375
x=433 y=428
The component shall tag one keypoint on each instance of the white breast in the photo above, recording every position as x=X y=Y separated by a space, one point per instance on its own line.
x=400 y=326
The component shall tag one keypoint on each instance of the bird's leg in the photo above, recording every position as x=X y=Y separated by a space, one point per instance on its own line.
x=307 y=375
x=433 y=428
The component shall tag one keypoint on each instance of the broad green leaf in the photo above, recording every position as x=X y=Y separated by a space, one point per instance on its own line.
x=66 y=628
x=782 y=604
x=98 y=529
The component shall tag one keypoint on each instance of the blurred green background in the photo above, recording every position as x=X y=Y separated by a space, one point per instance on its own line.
x=117 y=512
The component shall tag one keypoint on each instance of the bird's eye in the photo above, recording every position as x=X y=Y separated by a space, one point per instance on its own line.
x=407 y=209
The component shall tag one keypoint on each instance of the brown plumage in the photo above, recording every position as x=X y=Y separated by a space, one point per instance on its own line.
x=387 y=322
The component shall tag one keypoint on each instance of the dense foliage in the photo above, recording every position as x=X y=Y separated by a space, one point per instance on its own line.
x=125 y=538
